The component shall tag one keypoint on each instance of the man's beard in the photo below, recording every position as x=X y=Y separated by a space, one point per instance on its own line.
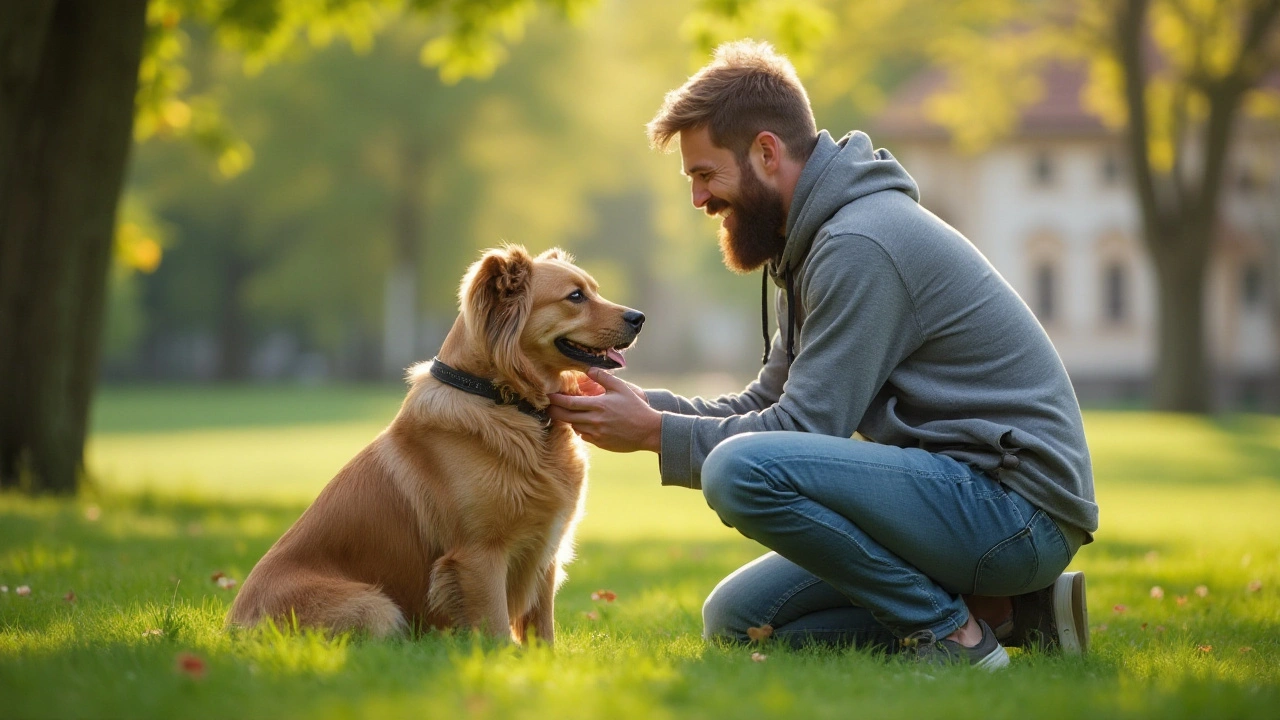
x=758 y=217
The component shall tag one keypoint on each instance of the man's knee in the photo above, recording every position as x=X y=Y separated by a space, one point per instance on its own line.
x=722 y=617
x=731 y=473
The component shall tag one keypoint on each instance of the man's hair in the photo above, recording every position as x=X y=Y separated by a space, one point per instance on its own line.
x=747 y=88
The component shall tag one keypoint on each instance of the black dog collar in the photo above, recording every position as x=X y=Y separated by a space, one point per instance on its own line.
x=475 y=385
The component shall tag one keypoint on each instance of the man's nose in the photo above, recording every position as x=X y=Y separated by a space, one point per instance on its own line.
x=700 y=196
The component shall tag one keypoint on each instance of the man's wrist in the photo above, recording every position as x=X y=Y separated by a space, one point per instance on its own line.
x=653 y=440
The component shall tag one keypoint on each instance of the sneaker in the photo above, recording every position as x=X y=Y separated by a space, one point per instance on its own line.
x=988 y=654
x=1053 y=619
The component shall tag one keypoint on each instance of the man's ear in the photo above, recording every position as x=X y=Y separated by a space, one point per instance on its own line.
x=766 y=153
x=497 y=296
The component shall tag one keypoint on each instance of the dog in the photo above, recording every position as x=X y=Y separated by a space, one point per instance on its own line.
x=461 y=513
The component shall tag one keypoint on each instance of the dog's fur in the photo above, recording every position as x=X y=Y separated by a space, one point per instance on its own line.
x=461 y=513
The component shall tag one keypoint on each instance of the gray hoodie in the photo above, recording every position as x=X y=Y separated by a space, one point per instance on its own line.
x=904 y=333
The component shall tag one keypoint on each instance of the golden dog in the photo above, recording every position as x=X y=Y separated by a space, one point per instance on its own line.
x=461 y=513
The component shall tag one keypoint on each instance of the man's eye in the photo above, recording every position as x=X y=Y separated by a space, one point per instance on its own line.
x=576 y=296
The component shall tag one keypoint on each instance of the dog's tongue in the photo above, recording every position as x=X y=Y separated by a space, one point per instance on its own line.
x=616 y=356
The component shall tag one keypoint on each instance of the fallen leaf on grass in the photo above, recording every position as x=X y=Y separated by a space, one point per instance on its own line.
x=1245 y=649
x=1205 y=648
x=190 y=664
x=1144 y=626
x=1157 y=592
x=216 y=576
x=1202 y=591
x=758 y=657
x=605 y=595
x=23 y=590
x=1120 y=608
x=70 y=596
x=760 y=634
x=1255 y=586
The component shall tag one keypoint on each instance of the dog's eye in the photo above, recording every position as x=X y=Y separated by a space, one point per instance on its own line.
x=576 y=297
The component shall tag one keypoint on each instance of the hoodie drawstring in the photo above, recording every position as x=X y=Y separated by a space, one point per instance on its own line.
x=764 y=312
x=791 y=319
x=791 y=316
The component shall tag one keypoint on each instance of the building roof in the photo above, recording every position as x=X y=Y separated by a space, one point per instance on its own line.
x=1059 y=111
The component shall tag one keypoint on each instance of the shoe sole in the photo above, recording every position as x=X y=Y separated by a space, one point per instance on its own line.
x=1071 y=613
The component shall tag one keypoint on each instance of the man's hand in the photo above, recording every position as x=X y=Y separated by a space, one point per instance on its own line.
x=616 y=418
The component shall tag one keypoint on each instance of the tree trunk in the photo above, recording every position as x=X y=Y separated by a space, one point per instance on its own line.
x=400 y=299
x=1181 y=379
x=68 y=75
x=233 y=333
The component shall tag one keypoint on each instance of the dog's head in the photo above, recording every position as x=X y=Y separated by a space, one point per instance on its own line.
x=538 y=317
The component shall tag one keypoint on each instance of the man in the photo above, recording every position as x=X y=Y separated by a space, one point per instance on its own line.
x=973 y=479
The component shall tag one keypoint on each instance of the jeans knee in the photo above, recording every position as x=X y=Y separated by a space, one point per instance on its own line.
x=729 y=473
x=721 y=616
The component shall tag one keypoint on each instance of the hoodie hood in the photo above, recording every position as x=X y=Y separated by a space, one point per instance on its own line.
x=836 y=174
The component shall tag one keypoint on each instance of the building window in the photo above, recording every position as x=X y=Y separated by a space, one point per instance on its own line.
x=1046 y=290
x=1042 y=169
x=1115 y=288
x=1251 y=286
x=1110 y=168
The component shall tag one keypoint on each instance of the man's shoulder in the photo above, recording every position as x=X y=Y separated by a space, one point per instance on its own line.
x=887 y=217
x=905 y=231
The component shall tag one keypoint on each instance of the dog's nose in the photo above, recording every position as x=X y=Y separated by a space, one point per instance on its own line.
x=634 y=318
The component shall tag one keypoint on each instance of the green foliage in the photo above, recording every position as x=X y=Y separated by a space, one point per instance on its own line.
x=548 y=151
x=1186 y=502
x=991 y=51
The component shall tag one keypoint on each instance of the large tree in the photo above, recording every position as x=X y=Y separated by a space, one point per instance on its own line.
x=1183 y=104
x=69 y=89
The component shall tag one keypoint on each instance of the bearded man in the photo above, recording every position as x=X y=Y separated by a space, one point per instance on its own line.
x=968 y=488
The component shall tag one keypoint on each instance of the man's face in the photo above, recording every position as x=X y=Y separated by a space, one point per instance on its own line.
x=752 y=214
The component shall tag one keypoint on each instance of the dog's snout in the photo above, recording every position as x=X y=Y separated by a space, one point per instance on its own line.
x=634 y=318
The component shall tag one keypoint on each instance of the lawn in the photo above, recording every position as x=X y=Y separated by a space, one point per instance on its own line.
x=123 y=618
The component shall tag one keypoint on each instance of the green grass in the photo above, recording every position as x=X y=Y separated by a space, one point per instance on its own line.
x=196 y=481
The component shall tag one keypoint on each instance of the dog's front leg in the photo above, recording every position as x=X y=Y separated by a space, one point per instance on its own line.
x=469 y=587
x=540 y=620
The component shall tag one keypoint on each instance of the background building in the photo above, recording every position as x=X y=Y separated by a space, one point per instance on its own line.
x=1050 y=205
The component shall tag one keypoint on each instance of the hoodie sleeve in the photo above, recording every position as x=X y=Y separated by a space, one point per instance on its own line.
x=860 y=325
x=763 y=392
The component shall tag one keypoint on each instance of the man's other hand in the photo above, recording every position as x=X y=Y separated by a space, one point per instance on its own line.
x=611 y=414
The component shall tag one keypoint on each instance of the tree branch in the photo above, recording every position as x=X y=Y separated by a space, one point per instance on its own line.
x=1225 y=98
x=1257 y=33
x=1128 y=49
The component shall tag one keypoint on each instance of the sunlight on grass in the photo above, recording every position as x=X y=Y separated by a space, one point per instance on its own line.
x=1184 y=584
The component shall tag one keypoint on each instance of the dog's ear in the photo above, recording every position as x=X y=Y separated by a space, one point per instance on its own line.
x=497 y=296
x=556 y=253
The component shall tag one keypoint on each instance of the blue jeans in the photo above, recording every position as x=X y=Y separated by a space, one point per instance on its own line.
x=871 y=542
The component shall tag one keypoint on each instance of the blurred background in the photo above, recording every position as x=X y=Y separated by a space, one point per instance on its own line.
x=307 y=182
x=320 y=234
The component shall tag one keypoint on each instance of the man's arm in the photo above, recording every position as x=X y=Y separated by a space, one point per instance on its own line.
x=763 y=392
x=861 y=324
